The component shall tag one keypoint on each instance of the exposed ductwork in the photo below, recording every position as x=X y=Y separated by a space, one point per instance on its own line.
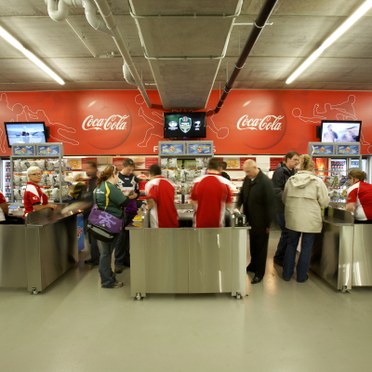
x=58 y=10
x=109 y=19
x=127 y=74
x=91 y=15
x=253 y=37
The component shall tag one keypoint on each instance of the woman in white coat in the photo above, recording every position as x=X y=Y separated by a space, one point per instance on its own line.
x=304 y=197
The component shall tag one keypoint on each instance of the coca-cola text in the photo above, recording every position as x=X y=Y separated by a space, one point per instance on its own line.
x=268 y=122
x=113 y=122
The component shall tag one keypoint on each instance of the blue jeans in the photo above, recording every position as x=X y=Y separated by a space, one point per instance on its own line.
x=122 y=248
x=105 y=271
x=303 y=263
x=283 y=241
x=94 y=250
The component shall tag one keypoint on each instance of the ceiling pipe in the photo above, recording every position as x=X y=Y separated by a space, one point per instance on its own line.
x=57 y=10
x=127 y=75
x=91 y=15
x=109 y=19
x=253 y=37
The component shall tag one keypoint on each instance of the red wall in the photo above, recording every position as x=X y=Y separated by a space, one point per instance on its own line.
x=250 y=122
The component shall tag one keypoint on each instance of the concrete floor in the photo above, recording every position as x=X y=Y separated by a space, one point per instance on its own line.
x=77 y=326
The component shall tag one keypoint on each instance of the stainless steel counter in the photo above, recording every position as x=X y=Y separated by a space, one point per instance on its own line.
x=188 y=260
x=342 y=253
x=35 y=254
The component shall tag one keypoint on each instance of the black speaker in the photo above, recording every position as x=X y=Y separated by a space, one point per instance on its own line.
x=318 y=131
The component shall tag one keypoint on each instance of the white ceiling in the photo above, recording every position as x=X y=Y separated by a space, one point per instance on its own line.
x=189 y=47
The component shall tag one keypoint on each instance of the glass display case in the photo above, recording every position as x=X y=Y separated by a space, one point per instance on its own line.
x=332 y=161
x=182 y=161
x=48 y=157
x=5 y=179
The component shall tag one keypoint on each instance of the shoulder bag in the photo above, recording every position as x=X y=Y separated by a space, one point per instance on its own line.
x=103 y=225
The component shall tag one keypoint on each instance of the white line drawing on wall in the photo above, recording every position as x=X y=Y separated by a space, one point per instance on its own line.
x=9 y=113
x=155 y=121
x=221 y=133
x=64 y=131
x=19 y=112
x=344 y=110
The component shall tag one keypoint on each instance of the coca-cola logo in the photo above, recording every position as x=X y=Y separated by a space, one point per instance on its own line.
x=113 y=122
x=267 y=123
x=259 y=129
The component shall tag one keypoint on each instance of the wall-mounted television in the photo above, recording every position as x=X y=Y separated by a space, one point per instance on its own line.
x=184 y=125
x=341 y=130
x=25 y=132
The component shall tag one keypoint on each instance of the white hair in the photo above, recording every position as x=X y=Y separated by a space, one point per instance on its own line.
x=33 y=170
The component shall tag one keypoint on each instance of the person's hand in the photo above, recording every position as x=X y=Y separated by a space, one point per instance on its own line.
x=132 y=195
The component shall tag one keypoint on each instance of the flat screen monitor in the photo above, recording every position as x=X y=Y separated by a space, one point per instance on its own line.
x=340 y=131
x=184 y=125
x=25 y=132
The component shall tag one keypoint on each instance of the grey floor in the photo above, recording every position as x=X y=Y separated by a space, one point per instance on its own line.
x=280 y=326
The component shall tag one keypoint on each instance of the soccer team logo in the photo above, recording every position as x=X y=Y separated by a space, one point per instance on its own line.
x=185 y=124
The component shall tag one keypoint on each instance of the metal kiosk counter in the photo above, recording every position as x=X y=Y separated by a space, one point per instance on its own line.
x=188 y=260
x=342 y=253
x=35 y=254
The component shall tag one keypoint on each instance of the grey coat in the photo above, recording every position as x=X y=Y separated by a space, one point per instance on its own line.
x=304 y=196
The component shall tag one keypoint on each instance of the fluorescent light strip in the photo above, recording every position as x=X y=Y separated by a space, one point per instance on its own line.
x=31 y=56
x=359 y=13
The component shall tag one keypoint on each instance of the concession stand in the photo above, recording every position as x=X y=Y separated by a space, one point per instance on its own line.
x=35 y=254
x=187 y=259
x=342 y=254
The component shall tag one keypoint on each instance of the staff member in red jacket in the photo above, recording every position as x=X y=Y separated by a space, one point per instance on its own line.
x=34 y=199
x=3 y=206
x=211 y=195
x=359 y=196
x=160 y=199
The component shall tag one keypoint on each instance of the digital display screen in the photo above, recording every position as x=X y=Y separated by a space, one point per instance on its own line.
x=340 y=131
x=25 y=132
x=184 y=125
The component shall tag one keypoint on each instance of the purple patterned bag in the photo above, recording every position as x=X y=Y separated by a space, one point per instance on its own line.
x=105 y=220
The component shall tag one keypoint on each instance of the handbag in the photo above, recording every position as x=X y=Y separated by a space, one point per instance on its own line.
x=103 y=225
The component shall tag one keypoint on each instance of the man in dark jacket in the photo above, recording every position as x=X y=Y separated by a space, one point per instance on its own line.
x=91 y=171
x=129 y=185
x=257 y=198
x=280 y=177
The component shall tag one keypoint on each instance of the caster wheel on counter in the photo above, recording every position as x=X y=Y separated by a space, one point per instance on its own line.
x=34 y=291
x=238 y=296
x=138 y=297
x=344 y=289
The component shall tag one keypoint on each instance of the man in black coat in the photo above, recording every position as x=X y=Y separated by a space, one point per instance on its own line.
x=257 y=198
x=280 y=177
x=91 y=171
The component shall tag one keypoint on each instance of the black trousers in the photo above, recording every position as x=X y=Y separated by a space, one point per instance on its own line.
x=258 y=241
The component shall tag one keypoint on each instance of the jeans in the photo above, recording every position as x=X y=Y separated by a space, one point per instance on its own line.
x=303 y=263
x=94 y=250
x=105 y=271
x=122 y=252
x=283 y=241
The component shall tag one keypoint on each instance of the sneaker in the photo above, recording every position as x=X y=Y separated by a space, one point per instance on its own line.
x=303 y=280
x=115 y=285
